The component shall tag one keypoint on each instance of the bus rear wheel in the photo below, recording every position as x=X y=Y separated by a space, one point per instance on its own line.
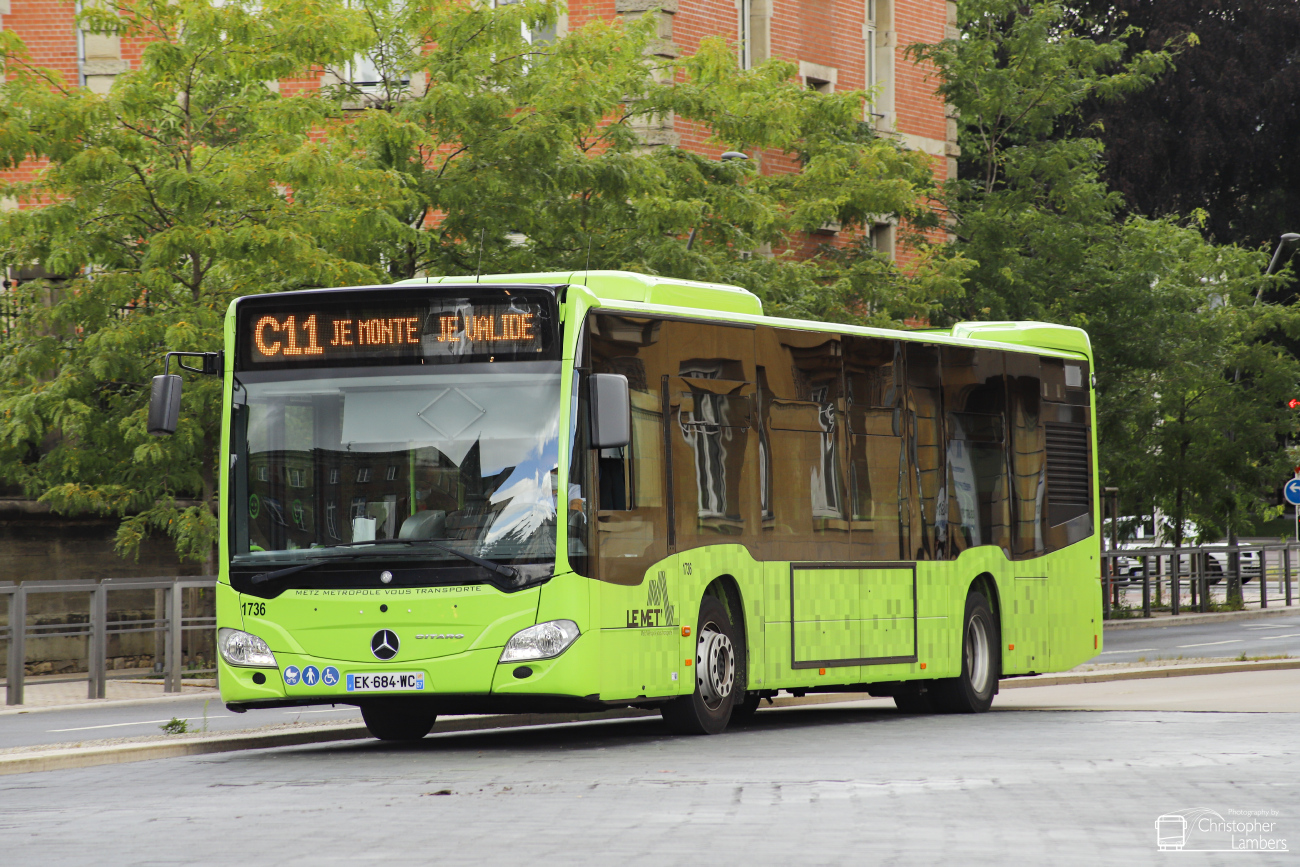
x=973 y=690
x=397 y=722
x=707 y=710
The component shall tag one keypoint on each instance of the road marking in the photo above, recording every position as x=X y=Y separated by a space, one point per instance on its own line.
x=1277 y=626
x=1276 y=637
x=1210 y=644
x=148 y=722
x=1135 y=650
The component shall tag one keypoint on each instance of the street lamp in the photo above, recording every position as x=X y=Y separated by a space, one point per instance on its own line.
x=726 y=157
x=1283 y=252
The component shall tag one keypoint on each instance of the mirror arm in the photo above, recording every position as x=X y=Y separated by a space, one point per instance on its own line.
x=213 y=362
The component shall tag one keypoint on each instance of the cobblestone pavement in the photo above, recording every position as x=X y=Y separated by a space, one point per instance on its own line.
x=815 y=785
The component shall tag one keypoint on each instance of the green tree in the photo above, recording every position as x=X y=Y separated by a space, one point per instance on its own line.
x=1190 y=382
x=543 y=154
x=190 y=183
x=195 y=181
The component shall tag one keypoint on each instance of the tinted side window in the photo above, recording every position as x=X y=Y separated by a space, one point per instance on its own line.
x=802 y=410
x=879 y=485
x=631 y=516
x=974 y=396
x=923 y=399
x=1028 y=452
x=709 y=385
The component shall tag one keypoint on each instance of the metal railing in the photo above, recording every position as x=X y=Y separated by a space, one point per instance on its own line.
x=1198 y=569
x=172 y=626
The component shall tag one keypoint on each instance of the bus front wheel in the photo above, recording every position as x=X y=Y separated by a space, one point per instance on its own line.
x=981 y=645
x=397 y=722
x=707 y=710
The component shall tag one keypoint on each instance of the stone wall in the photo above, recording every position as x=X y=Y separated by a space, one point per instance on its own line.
x=37 y=545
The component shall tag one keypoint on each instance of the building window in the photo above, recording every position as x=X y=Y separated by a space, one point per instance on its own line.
x=869 y=35
x=745 y=36
x=358 y=507
x=334 y=475
x=882 y=239
x=370 y=73
x=363 y=475
x=753 y=35
x=818 y=77
x=532 y=35
x=391 y=475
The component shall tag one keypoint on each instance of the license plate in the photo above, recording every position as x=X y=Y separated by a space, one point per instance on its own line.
x=391 y=682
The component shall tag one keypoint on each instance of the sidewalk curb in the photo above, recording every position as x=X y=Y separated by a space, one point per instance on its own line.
x=210 y=695
x=1192 y=619
x=87 y=757
x=1150 y=673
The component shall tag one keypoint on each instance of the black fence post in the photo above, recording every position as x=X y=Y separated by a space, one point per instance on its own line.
x=1146 y=586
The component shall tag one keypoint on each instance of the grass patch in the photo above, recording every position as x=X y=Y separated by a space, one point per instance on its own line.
x=175 y=726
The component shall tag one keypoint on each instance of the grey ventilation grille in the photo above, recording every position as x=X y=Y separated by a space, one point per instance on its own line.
x=1068 y=487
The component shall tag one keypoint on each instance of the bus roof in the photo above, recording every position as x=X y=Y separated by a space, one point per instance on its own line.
x=622 y=287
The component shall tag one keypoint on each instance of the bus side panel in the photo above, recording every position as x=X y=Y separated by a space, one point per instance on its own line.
x=1076 y=615
x=1051 y=611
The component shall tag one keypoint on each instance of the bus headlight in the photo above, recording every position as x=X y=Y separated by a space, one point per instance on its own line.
x=244 y=649
x=541 y=641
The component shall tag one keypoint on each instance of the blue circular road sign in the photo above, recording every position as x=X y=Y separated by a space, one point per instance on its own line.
x=1291 y=490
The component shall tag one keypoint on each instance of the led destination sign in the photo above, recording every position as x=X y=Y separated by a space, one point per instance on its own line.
x=444 y=329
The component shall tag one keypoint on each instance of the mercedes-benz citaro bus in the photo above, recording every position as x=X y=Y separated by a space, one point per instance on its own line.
x=581 y=491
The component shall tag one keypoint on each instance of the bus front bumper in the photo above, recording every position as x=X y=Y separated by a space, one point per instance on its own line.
x=471 y=682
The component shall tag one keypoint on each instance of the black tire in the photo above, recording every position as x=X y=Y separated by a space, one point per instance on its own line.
x=707 y=710
x=981 y=662
x=1213 y=572
x=397 y=722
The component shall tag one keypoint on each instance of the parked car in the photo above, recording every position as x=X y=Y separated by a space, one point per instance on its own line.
x=1136 y=533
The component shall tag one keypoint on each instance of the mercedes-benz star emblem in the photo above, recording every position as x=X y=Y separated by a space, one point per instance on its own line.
x=384 y=644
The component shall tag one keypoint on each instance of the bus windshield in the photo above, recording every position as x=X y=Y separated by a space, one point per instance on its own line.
x=329 y=458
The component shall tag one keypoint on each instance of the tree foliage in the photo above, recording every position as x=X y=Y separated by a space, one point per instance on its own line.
x=1191 y=386
x=196 y=180
x=156 y=205
x=1218 y=131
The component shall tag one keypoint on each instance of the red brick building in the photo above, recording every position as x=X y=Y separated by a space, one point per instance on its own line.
x=837 y=45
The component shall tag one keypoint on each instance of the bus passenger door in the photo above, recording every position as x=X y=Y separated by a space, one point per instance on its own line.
x=881 y=499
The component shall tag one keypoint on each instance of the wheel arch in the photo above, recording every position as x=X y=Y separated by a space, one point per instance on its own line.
x=727 y=589
x=986 y=584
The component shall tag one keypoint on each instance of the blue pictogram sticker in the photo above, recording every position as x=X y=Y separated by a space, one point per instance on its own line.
x=329 y=676
x=291 y=675
x=350 y=676
x=310 y=675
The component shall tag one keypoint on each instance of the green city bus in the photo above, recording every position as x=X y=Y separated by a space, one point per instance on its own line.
x=580 y=491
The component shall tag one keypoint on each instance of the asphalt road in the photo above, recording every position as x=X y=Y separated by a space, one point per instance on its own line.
x=807 y=786
x=1271 y=636
x=1264 y=637
x=96 y=722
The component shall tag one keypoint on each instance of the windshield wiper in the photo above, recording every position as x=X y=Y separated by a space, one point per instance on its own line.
x=291 y=570
x=499 y=569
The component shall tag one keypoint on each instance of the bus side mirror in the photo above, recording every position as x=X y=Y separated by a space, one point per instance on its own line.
x=164 y=405
x=611 y=411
